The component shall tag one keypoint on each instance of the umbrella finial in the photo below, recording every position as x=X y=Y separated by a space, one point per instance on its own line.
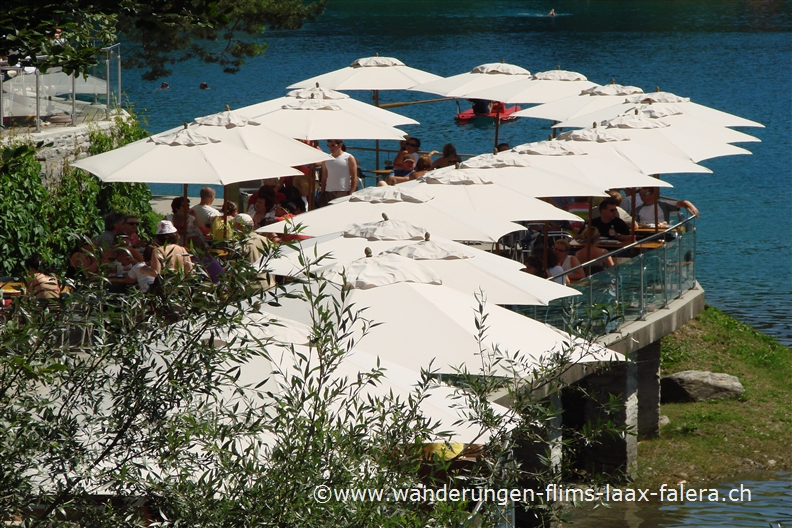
x=457 y=165
x=657 y=88
x=368 y=252
x=185 y=125
x=594 y=125
x=426 y=237
x=558 y=67
x=228 y=108
x=549 y=137
x=317 y=84
x=636 y=111
x=613 y=80
x=384 y=216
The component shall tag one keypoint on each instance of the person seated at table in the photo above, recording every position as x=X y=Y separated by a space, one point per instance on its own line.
x=265 y=203
x=404 y=174
x=411 y=147
x=181 y=207
x=590 y=236
x=83 y=260
x=133 y=239
x=552 y=269
x=535 y=266
x=450 y=157
x=268 y=186
x=201 y=255
x=221 y=225
x=184 y=228
x=481 y=106
x=114 y=227
x=608 y=223
x=616 y=195
x=562 y=249
x=142 y=273
x=169 y=254
x=645 y=212
x=40 y=283
x=204 y=212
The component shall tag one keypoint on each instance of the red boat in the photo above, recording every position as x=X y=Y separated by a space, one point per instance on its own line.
x=495 y=110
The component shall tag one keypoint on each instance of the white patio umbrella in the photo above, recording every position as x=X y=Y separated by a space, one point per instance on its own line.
x=315 y=119
x=487 y=199
x=649 y=160
x=671 y=104
x=423 y=322
x=589 y=100
x=445 y=219
x=519 y=178
x=442 y=404
x=182 y=157
x=371 y=73
x=479 y=78
x=561 y=158
x=458 y=266
x=339 y=99
x=640 y=116
x=542 y=87
x=233 y=127
x=658 y=134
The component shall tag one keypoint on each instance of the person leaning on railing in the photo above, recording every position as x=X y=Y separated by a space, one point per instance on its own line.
x=645 y=211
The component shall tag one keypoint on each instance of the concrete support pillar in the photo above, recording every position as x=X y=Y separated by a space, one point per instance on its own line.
x=647 y=360
x=610 y=454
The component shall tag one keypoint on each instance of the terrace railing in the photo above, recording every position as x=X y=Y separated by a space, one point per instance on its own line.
x=636 y=286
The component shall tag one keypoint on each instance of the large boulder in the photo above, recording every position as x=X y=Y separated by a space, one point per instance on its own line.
x=696 y=385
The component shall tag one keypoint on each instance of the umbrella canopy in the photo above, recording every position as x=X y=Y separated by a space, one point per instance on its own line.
x=520 y=179
x=369 y=205
x=672 y=104
x=659 y=135
x=497 y=201
x=456 y=265
x=371 y=73
x=420 y=323
x=649 y=160
x=182 y=157
x=589 y=100
x=600 y=171
x=341 y=100
x=234 y=128
x=542 y=87
x=315 y=119
x=668 y=116
x=442 y=404
x=479 y=78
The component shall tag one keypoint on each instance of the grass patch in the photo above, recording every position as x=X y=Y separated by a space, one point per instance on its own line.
x=709 y=441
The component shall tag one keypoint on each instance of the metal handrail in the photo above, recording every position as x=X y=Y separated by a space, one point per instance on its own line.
x=650 y=238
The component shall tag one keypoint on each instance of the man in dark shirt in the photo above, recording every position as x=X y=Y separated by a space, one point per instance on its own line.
x=609 y=224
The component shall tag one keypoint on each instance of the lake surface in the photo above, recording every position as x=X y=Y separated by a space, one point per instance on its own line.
x=732 y=55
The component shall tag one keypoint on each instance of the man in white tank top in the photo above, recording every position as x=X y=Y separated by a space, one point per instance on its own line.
x=339 y=175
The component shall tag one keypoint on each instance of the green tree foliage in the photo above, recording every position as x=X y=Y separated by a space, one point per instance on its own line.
x=43 y=219
x=25 y=207
x=163 y=31
x=111 y=401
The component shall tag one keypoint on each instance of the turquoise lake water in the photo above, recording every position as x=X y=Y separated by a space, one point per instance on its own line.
x=732 y=55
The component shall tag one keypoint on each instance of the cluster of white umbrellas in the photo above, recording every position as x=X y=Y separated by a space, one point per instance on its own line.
x=422 y=286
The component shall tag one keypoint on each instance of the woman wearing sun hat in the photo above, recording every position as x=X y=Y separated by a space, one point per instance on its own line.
x=169 y=253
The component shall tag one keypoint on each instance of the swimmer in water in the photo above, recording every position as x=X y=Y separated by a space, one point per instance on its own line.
x=164 y=86
x=552 y=12
x=203 y=86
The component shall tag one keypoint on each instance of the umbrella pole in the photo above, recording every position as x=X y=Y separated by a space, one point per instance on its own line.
x=545 y=244
x=497 y=126
x=312 y=187
x=634 y=216
x=376 y=142
x=184 y=235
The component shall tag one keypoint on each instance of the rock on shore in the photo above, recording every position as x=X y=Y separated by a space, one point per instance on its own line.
x=696 y=385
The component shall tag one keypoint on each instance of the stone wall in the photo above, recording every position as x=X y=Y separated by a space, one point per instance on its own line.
x=60 y=144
